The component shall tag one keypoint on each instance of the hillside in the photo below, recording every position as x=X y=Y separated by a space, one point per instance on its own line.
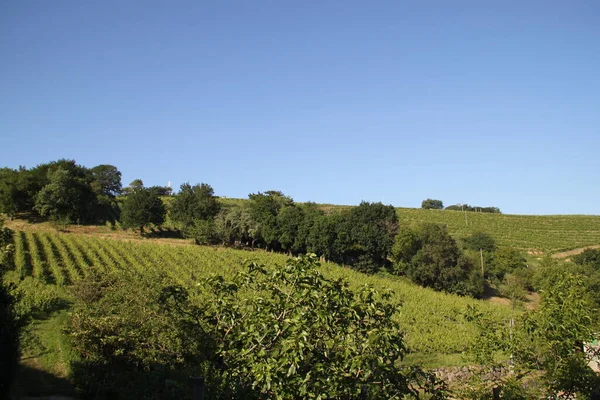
x=545 y=233
x=435 y=328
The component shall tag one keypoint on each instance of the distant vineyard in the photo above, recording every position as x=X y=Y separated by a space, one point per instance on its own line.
x=546 y=232
x=433 y=321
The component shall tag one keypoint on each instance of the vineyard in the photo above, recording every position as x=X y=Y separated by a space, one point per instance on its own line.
x=527 y=232
x=433 y=321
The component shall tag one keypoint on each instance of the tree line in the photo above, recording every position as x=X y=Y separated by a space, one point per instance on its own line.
x=367 y=237
x=433 y=204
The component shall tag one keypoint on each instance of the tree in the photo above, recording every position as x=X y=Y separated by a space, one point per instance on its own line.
x=106 y=180
x=9 y=194
x=296 y=334
x=505 y=260
x=430 y=257
x=371 y=228
x=289 y=220
x=67 y=196
x=193 y=203
x=431 y=204
x=141 y=208
x=480 y=241
x=264 y=208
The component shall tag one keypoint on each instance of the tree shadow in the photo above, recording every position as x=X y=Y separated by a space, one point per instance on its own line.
x=31 y=381
x=164 y=233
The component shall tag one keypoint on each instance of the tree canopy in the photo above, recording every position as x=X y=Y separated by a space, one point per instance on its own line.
x=141 y=208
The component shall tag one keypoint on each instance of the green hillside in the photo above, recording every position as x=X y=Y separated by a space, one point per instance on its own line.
x=547 y=233
x=528 y=232
x=433 y=322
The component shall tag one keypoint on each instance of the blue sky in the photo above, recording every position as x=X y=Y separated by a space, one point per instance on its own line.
x=484 y=102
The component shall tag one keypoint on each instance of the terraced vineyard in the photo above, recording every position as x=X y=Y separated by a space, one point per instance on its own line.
x=433 y=321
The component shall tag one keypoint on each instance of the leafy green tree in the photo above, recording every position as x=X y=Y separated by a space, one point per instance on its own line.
x=431 y=204
x=480 y=241
x=289 y=219
x=430 y=257
x=106 y=180
x=67 y=196
x=505 y=260
x=234 y=224
x=296 y=334
x=371 y=228
x=310 y=213
x=193 y=203
x=264 y=208
x=141 y=208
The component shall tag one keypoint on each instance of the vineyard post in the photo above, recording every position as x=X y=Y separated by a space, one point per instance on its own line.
x=481 y=254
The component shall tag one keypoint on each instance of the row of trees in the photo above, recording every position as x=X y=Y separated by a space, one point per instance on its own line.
x=361 y=236
x=61 y=191
x=433 y=204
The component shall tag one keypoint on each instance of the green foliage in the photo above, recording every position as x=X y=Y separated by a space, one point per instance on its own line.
x=301 y=335
x=127 y=345
x=66 y=196
x=264 y=208
x=431 y=204
x=202 y=231
x=141 y=208
x=430 y=257
x=193 y=203
x=106 y=180
x=589 y=257
x=549 y=339
x=504 y=261
x=480 y=241
x=466 y=207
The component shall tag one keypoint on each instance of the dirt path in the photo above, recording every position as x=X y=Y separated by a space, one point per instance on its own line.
x=565 y=254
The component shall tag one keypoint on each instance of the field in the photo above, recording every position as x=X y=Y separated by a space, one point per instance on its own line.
x=435 y=328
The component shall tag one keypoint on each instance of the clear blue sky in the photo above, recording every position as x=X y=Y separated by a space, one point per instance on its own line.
x=484 y=102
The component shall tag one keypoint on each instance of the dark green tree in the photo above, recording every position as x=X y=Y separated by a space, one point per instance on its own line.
x=289 y=220
x=431 y=204
x=480 y=241
x=141 y=208
x=67 y=196
x=430 y=257
x=106 y=180
x=264 y=208
x=366 y=235
x=193 y=203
